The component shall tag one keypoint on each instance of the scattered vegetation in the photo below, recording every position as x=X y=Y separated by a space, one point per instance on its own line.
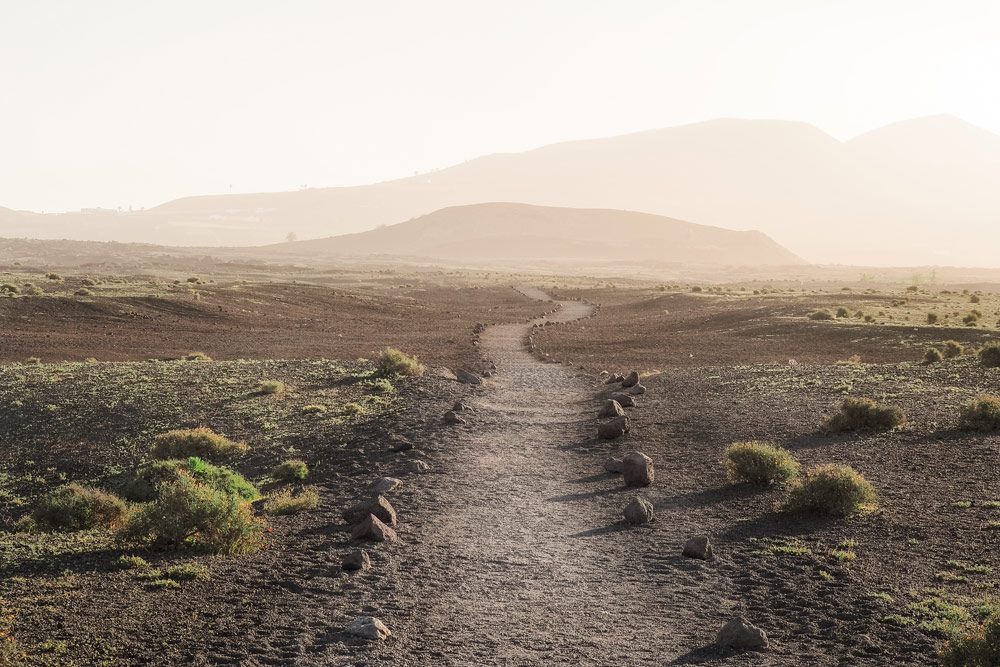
x=953 y=349
x=977 y=646
x=989 y=355
x=293 y=470
x=272 y=387
x=200 y=442
x=197 y=356
x=392 y=362
x=820 y=315
x=831 y=489
x=77 y=507
x=980 y=414
x=132 y=562
x=145 y=486
x=933 y=355
x=284 y=502
x=932 y=318
x=863 y=413
x=759 y=463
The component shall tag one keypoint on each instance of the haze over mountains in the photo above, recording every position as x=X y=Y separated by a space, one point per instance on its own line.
x=922 y=191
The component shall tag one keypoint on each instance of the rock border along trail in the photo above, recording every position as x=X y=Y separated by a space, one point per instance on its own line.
x=517 y=553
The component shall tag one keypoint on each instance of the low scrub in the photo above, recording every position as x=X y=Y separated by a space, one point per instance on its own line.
x=843 y=312
x=272 y=387
x=831 y=489
x=145 y=486
x=980 y=414
x=933 y=355
x=76 y=507
x=953 y=349
x=292 y=470
x=190 y=514
x=932 y=318
x=284 y=502
x=977 y=646
x=759 y=463
x=201 y=442
x=989 y=356
x=392 y=362
x=820 y=315
x=197 y=356
x=863 y=413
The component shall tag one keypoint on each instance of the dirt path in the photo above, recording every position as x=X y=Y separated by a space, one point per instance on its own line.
x=520 y=556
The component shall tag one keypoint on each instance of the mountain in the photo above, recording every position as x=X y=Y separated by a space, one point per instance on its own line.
x=525 y=232
x=921 y=191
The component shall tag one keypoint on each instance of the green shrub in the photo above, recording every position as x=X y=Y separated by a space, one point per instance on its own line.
x=393 y=362
x=861 y=413
x=200 y=442
x=32 y=290
x=830 y=489
x=821 y=315
x=292 y=470
x=144 y=487
x=953 y=349
x=843 y=312
x=272 y=387
x=190 y=514
x=132 y=562
x=989 y=356
x=980 y=414
x=314 y=409
x=284 y=502
x=9 y=288
x=759 y=463
x=977 y=646
x=76 y=507
x=932 y=318
x=933 y=355
x=186 y=572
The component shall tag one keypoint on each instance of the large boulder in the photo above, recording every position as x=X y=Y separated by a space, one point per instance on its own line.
x=615 y=428
x=630 y=380
x=356 y=560
x=624 y=400
x=698 y=547
x=613 y=465
x=739 y=633
x=372 y=529
x=368 y=627
x=465 y=377
x=378 y=506
x=639 y=511
x=637 y=469
x=611 y=408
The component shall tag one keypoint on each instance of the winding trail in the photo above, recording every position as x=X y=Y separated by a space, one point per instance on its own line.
x=520 y=557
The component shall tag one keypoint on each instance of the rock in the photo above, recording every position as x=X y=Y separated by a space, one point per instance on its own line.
x=378 y=506
x=368 y=627
x=631 y=380
x=637 y=469
x=451 y=418
x=624 y=400
x=613 y=465
x=637 y=390
x=613 y=379
x=385 y=484
x=460 y=406
x=487 y=374
x=417 y=467
x=372 y=529
x=356 y=560
x=698 y=547
x=639 y=511
x=615 y=428
x=465 y=377
x=739 y=633
x=611 y=408
x=479 y=328
x=400 y=444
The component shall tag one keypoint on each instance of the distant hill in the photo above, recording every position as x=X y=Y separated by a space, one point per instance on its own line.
x=917 y=192
x=523 y=232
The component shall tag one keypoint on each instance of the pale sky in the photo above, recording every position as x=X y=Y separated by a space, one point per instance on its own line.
x=117 y=103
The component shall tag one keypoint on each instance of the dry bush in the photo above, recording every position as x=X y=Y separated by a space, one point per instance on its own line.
x=831 y=489
x=77 y=507
x=863 y=413
x=200 y=442
x=759 y=463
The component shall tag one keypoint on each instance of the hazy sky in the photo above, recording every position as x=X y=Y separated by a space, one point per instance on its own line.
x=117 y=102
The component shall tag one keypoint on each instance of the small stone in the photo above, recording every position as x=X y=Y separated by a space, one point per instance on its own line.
x=624 y=400
x=639 y=511
x=378 y=506
x=615 y=428
x=368 y=627
x=385 y=484
x=372 y=529
x=400 y=444
x=465 y=377
x=460 y=406
x=451 y=418
x=356 y=560
x=698 y=547
x=739 y=633
x=630 y=380
x=611 y=408
x=637 y=469
x=613 y=465
x=417 y=467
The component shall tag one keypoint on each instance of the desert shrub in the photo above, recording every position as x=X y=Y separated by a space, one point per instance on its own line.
x=977 y=646
x=353 y=409
x=696 y=288
x=186 y=572
x=145 y=485
x=821 y=315
x=932 y=318
x=933 y=355
x=32 y=290
x=53 y=276
x=132 y=562
x=843 y=312
x=759 y=463
x=382 y=386
x=162 y=584
x=869 y=319
x=83 y=292
x=292 y=470
x=393 y=362
x=76 y=507
x=190 y=514
x=861 y=413
x=953 y=349
x=33 y=360
x=88 y=282
x=970 y=319
x=314 y=409
x=9 y=288
x=974 y=298
x=980 y=414
x=830 y=489
x=200 y=442
x=194 y=279
x=272 y=387
x=284 y=502
x=989 y=355
x=197 y=356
